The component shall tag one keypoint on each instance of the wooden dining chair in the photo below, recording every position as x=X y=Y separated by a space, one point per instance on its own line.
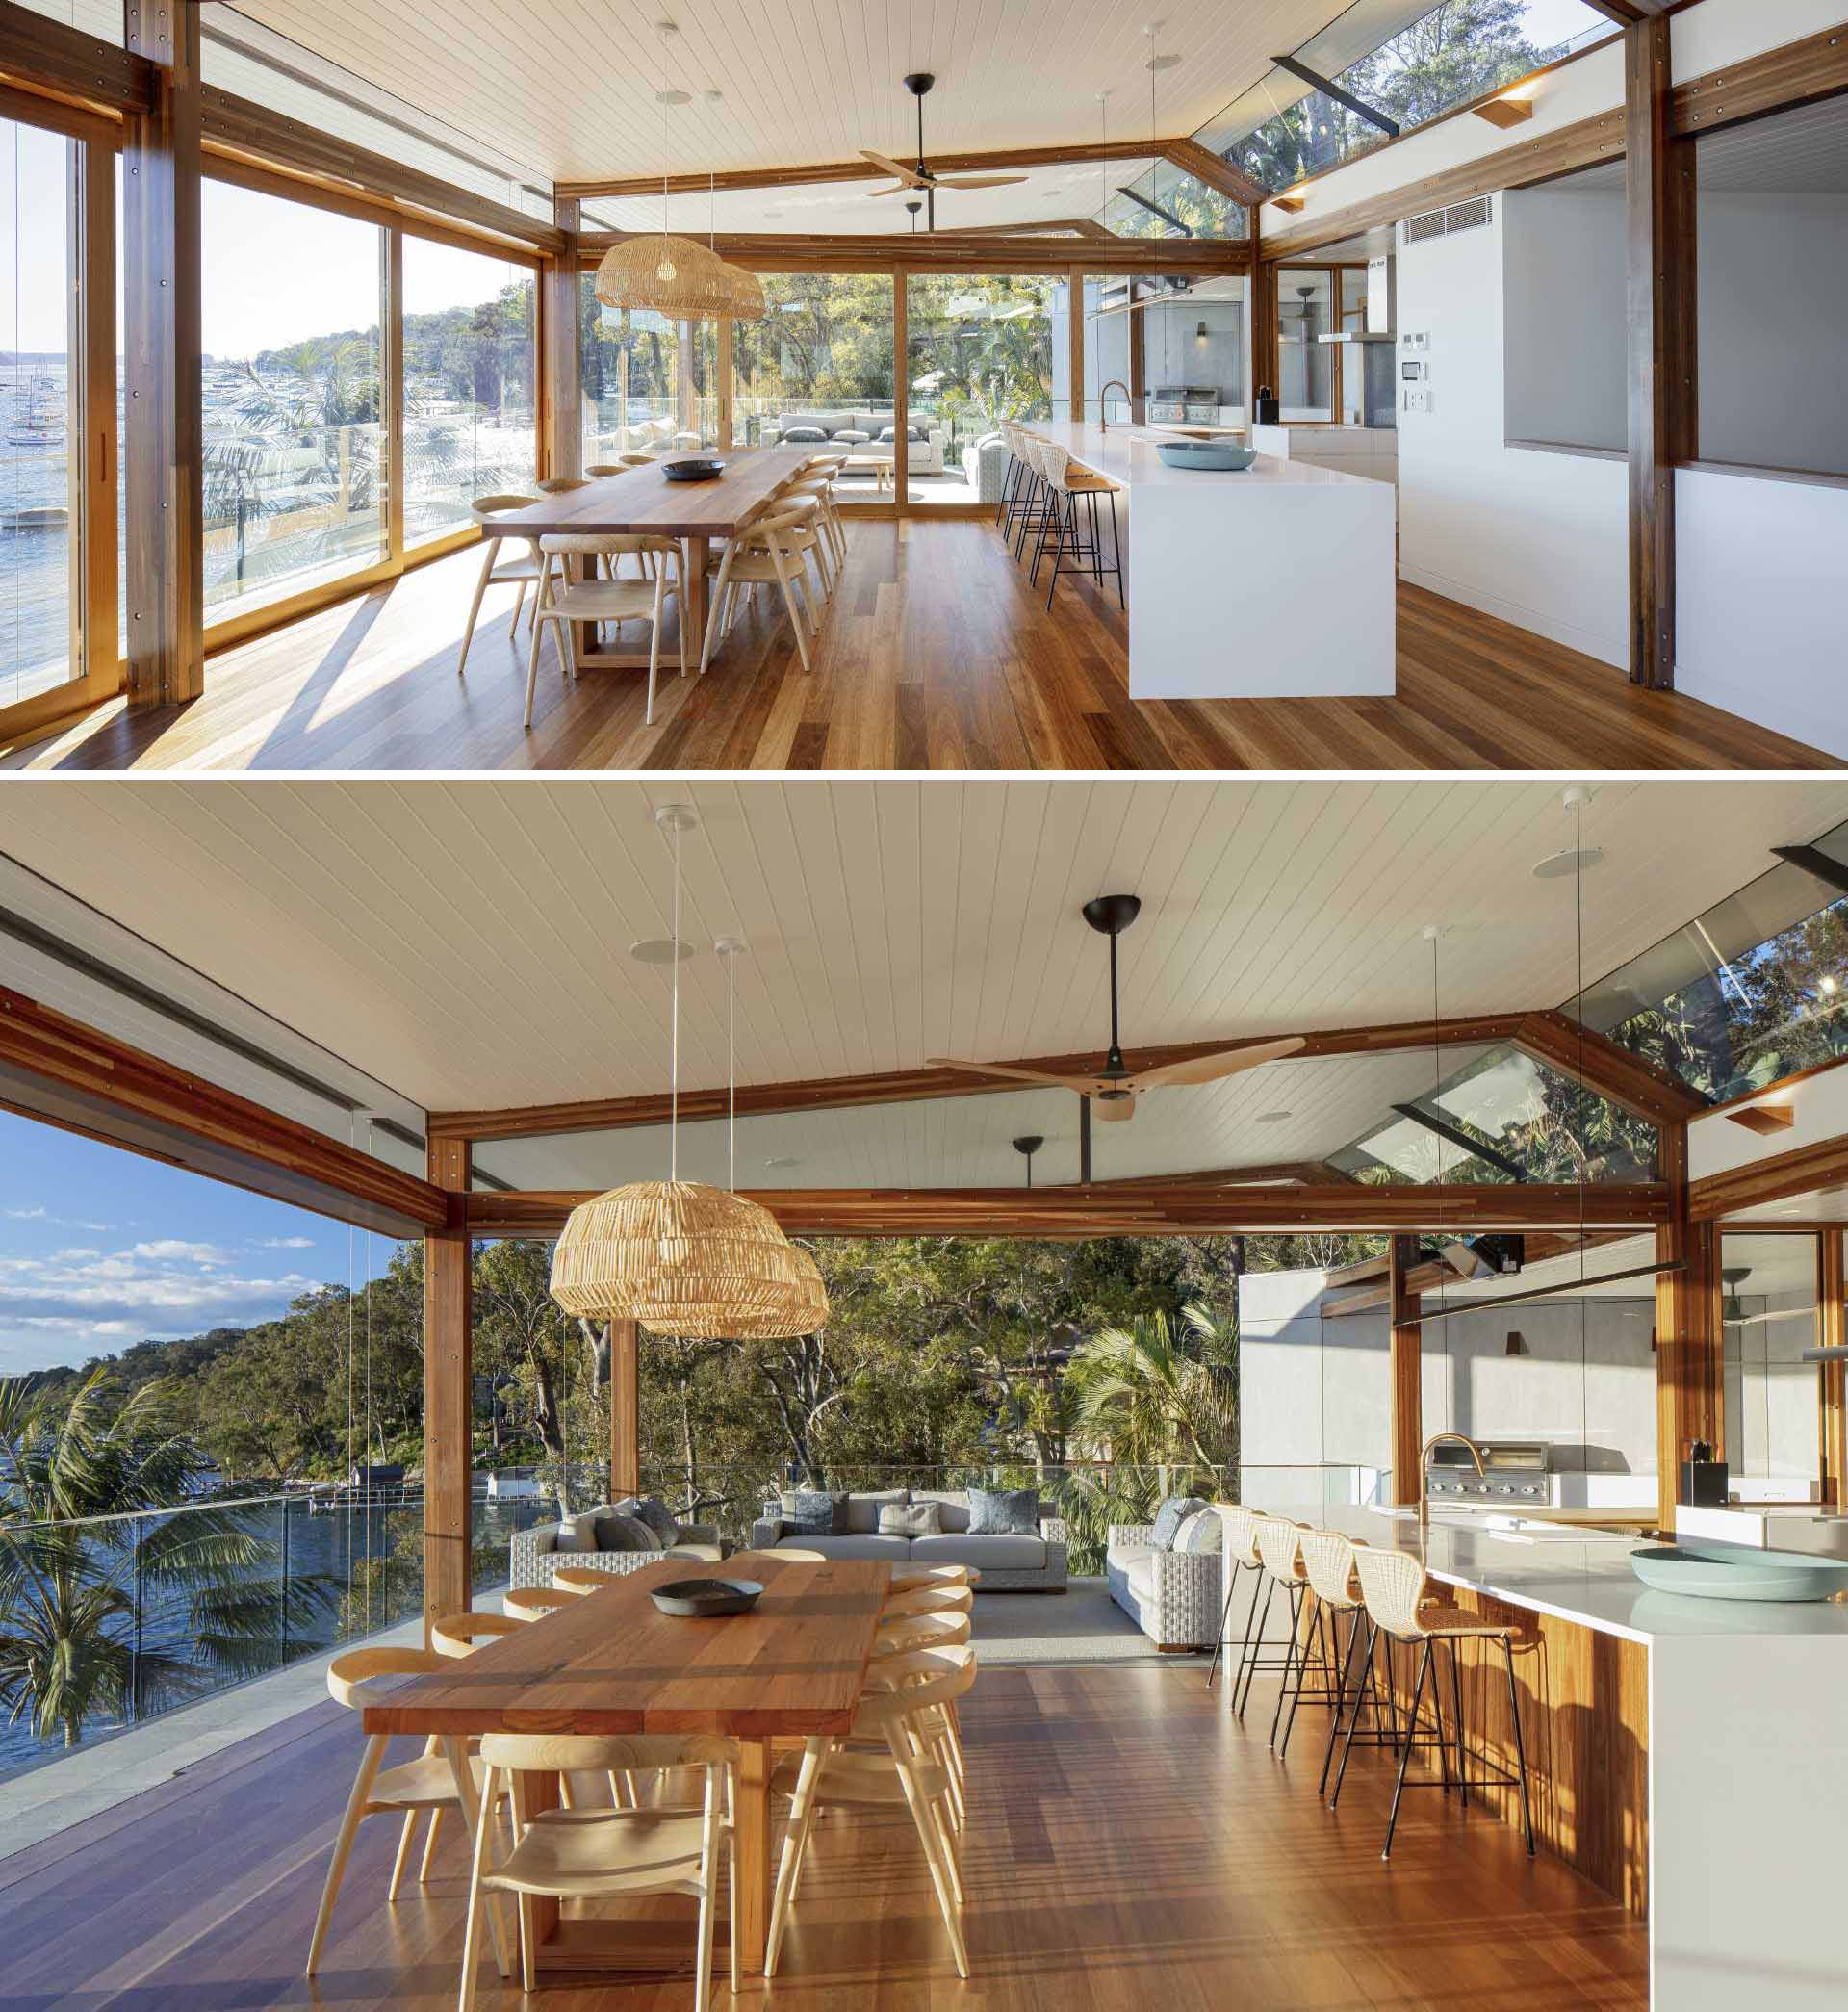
x=603 y=468
x=788 y=1554
x=435 y=1781
x=927 y=1599
x=462 y=1634
x=906 y=1632
x=606 y=1853
x=907 y=1579
x=764 y=553
x=532 y=1603
x=604 y=600
x=582 y=1579
x=835 y=1773
x=520 y=570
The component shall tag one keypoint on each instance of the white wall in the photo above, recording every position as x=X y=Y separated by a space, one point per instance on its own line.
x=1564 y=339
x=1537 y=539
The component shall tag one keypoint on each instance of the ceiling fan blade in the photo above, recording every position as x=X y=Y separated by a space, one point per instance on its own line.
x=978 y=181
x=1210 y=1069
x=1082 y=1084
x=908 y=175
x=898 y=189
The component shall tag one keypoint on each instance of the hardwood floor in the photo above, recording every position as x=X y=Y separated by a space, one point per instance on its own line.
x=936 y=653
x=1129 y=1846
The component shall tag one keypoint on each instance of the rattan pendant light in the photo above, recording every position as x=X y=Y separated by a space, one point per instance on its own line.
x=675 y=276
x=682 y=1259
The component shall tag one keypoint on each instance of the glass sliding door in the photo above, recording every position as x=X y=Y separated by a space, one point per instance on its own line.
x=980 y=350
x=1305 y=365
x=471 y=399
x=293 y=467
x=633 y=389
x=1769 y=1314
x=41 y=416
x=819 y=368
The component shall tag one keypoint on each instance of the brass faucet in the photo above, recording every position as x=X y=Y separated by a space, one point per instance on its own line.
x=1103 y=404
x=1425 y=1472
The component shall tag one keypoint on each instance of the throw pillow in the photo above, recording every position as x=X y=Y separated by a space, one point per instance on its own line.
x=1169 y=1517
x=811 y=1513
x=851 y=436
x=1201 y=1532
x=1008 y=1512
x=569 y=1537
x=803 y=433
x=909 y=1519
x=617 y=1531
x=659 y=1518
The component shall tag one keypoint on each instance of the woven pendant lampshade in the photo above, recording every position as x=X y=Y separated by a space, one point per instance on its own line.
x=685 y=1260
x=676 y=277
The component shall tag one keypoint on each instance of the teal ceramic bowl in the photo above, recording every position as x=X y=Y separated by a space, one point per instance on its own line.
x=1206 y=454
x=1737 y=1572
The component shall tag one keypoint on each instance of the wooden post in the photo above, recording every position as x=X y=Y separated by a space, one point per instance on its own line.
x=1075 y=342
x=1832 y=1290
x=161 y=281
x=901 y=390
x=1688 y=1329
x=563 y=454
x=390 y=392
x=625 y=1410
x=1660 y=192
x=95 y=466
x=1408 y=1370
x=726 y=411
x=1264 y=326
x=449 y=1394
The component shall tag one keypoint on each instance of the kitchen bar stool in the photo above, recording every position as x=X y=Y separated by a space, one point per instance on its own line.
x=1401 y=1606
x=1238 y=1545
x=1070 y=484
x=1328 y=1559
x=1281 y=1546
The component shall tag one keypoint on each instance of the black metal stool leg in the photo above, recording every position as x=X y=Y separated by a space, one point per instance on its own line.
x=1341 y=1698
x=1457 y=1697
x=1225 y=1619
x=1247 y=1649
x=1251 y=1668
x=1405 y=1756
x=1302 y=1670
x=1293 y=1658
x=1520 y=1745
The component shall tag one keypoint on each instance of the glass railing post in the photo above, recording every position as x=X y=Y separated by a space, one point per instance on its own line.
x=283 y=1612
x=135 y=1653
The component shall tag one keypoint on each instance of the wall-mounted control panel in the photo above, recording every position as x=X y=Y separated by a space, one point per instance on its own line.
x=1415 y=370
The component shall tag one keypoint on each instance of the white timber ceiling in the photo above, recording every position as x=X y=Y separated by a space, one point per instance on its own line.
x=1802 y=152
x=466 y=943
x=569 y=87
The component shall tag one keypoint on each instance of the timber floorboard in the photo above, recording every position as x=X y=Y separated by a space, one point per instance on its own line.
x=935 y=654
x=1129 y=1846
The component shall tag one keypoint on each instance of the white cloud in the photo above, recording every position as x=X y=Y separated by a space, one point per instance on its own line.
x=285 y=1243
x=38 y=1214
x=27 y=1215
x=172 y=1247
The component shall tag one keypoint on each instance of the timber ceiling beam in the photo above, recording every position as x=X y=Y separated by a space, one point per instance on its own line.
x=1631 y=1081
x=1174 y=1210
x=41 y=54
x=954 y=251
x=1627 y=13
x=1821 y=1168
x=1215 y=171
x=1075 y=153
x=915 y=1085
x=58 y=1070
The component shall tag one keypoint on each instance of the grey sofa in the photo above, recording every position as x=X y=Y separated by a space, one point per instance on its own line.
x=1010 y=1565
x=1174 y=1596
x=928 y=442
x=985 y=467
x=536 y=1553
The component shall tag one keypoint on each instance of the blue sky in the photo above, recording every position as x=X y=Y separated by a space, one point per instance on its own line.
x=100 y=1248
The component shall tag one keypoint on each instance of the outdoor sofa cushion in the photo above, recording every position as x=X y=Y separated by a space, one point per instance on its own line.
x=1013 y=1553
x=651 y=1511
x=1169 y=1517
x=862 y=1510
x=812 y=1512
x=811 y=434
x=889 y=435
x=909 y=1519
x=618 y=1532
x=1004 y=1512
x=896 y=1550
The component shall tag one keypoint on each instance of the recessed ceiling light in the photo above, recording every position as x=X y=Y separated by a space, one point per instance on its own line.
x=1273 y=1117
x=1563 y=865
x=659 y=949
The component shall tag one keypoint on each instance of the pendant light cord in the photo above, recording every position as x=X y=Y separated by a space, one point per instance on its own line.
x=731 y=1069
x=674 y=1034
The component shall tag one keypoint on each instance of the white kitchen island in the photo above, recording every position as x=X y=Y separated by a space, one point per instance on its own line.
x=1274 y=582
x=1743 y=1771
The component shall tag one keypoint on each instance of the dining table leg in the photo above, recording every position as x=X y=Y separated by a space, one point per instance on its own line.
x=752 y=1819
x=696 y=557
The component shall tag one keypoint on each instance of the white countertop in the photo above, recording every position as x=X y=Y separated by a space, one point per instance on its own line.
x=1127 y=454
x=1588 y=1583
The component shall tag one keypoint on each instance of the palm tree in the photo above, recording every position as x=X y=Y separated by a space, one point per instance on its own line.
x=71 y=1589
x=1157 y=1398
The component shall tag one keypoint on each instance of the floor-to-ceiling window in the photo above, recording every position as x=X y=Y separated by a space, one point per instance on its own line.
x=629 y=361
x=817 y=369
x=471 y=403
x=41 y=413
x=295 y=460
x=979 y=351
x=1305 y=363
x=1768 y=1317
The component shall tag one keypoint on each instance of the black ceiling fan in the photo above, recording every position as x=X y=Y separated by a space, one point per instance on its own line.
x=1115 y=1087
x=920 y=177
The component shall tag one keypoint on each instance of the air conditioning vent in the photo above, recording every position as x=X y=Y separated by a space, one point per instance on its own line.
x=1443 y=223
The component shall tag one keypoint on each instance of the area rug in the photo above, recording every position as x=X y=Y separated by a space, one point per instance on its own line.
x=1082 y=1625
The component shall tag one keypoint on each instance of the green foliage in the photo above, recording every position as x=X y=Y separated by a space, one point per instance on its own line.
x=68 y=1589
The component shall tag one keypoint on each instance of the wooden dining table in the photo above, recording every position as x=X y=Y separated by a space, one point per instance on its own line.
x=794 y=1665
x=643 y=499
